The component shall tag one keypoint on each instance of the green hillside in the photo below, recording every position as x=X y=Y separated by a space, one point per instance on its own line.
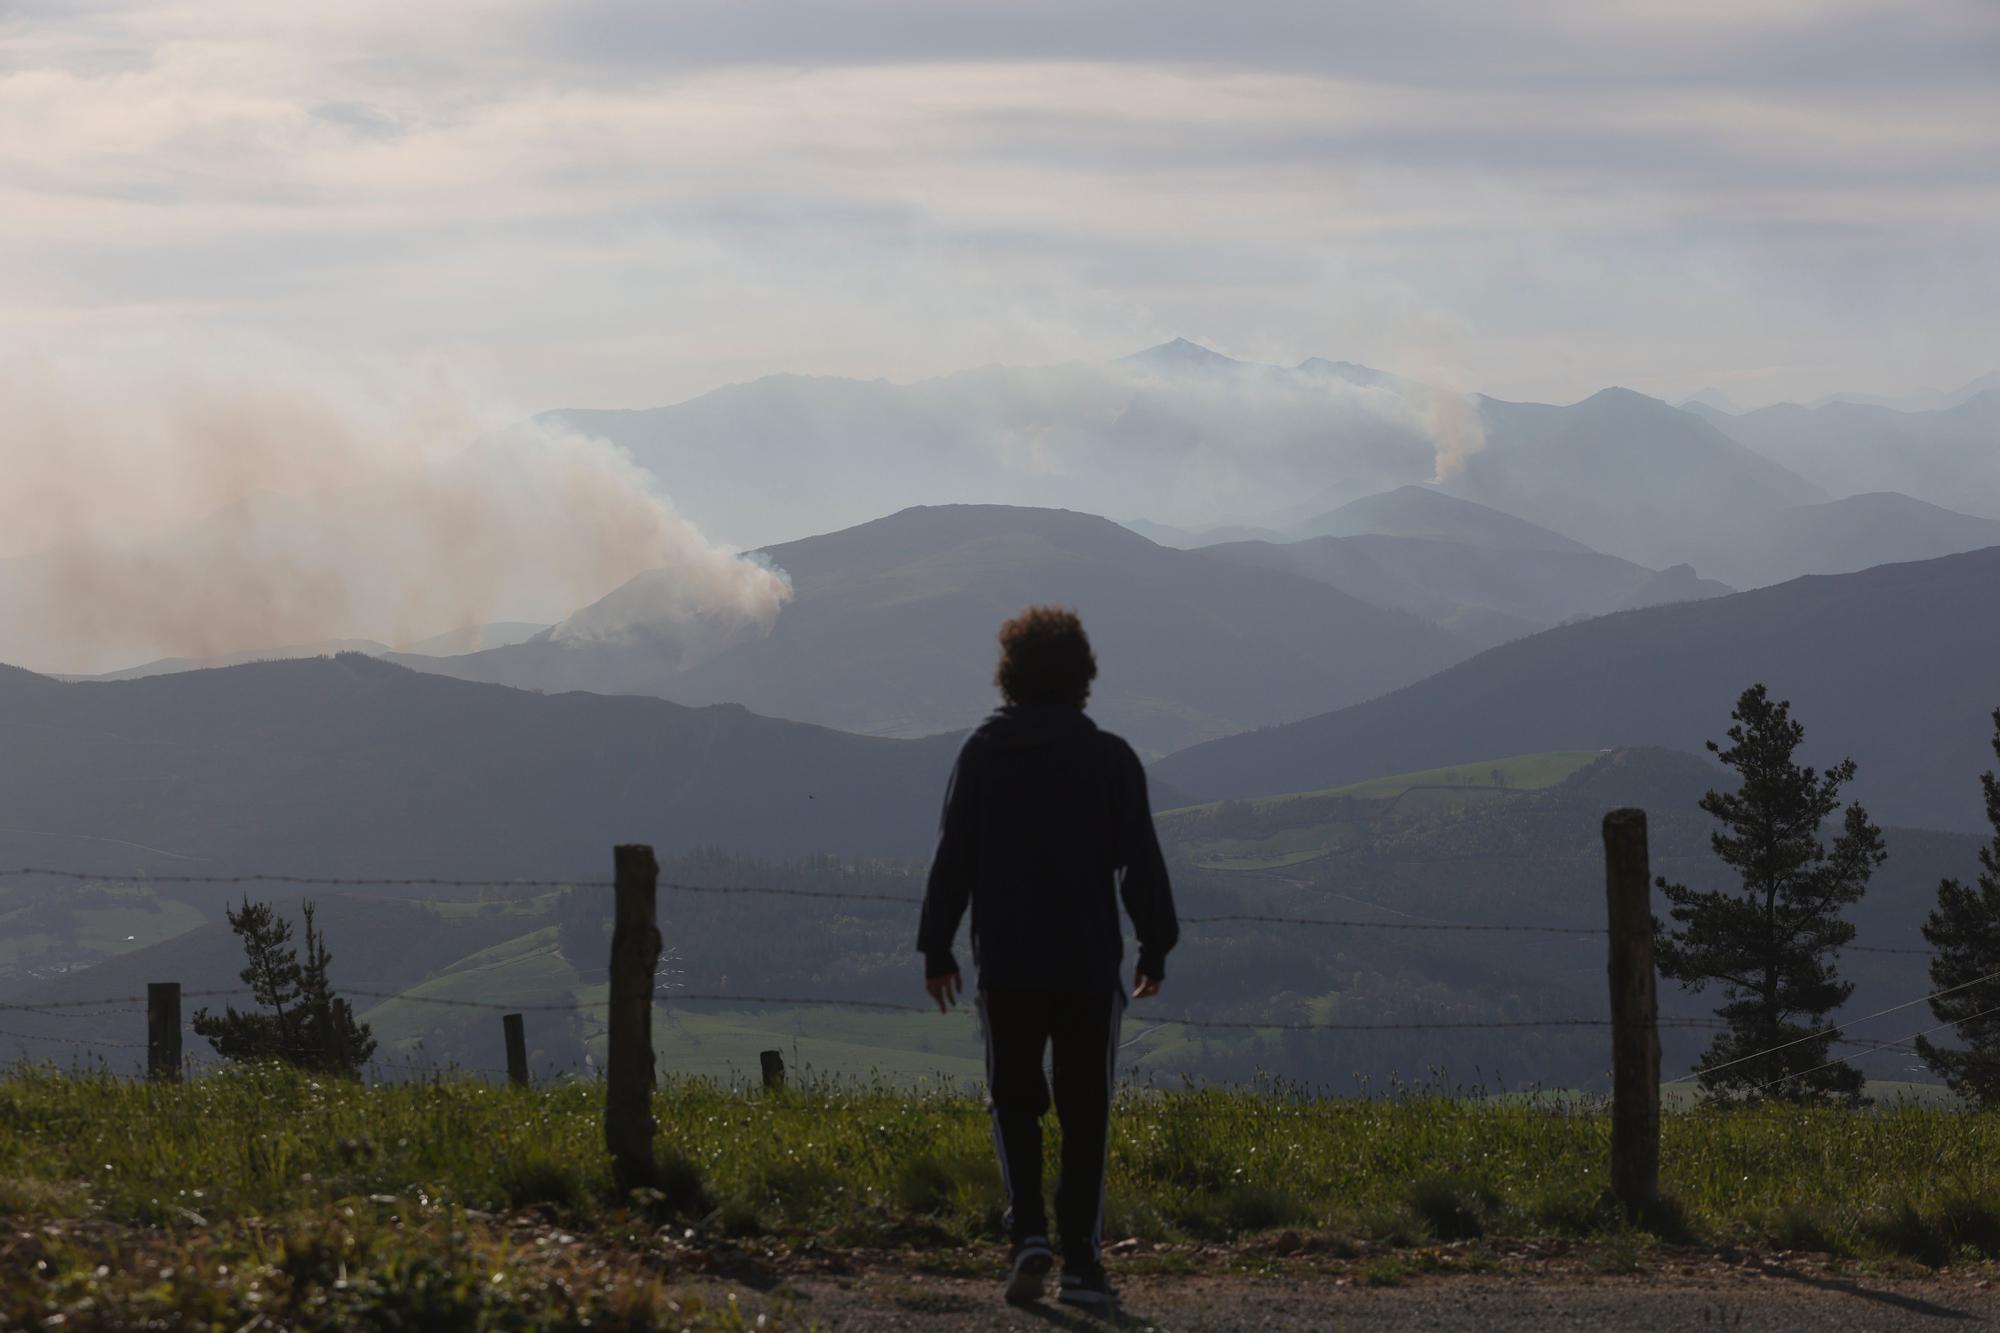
x=1273 y=832
x=1273 y=949
x=437 y=1019
x=50 y=930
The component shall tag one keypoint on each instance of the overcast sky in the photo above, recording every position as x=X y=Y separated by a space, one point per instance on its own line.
x=626 y=204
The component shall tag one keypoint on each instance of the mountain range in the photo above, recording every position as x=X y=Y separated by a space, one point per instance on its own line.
x=1214 y=449
x=1625 y=474
x=1207 y=447
x=1949 y=456
x=1176 y=432
x=1893 y=666
x=1485 y=595
x=891 y=627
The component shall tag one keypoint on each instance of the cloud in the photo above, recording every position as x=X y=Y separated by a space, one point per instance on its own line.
x=627 y=203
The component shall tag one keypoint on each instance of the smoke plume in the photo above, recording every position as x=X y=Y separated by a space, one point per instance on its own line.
x=200 y=516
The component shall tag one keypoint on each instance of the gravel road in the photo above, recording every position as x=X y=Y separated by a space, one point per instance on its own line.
x=1754 y=1297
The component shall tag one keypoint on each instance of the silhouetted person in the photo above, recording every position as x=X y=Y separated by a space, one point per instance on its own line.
x=1046 y=825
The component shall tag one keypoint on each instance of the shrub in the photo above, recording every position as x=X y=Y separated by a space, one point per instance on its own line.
x=537 y=1176
x=1453 y=1208
x=679 y=1182
x=1797 y=1227
x=800 y=1192
x=926 y=1185
x=738 y=1218
x=1971 y=1222
x=1574 y=1212
x=1222 y=1214
x=1393 y=1226
x=1906 y=1231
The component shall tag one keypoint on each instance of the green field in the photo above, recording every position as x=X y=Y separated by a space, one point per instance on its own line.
x=111 y=921
x=1299 y=827
x=334 y=1204
x=702 y=1038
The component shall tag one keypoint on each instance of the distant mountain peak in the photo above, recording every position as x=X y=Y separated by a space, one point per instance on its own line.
x=1181 y=354
x=1618 y=394
x=1425 y=511
x=1714 y=398
x=1349 y=371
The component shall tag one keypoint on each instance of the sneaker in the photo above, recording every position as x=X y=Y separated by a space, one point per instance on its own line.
x=1085 y=1285
x=1029 y=1263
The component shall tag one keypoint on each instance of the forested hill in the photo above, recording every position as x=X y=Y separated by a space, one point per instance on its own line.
x=1894 y=666
x=354 y=766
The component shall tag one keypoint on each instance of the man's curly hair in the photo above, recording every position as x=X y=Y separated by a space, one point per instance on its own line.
x=1045 y=658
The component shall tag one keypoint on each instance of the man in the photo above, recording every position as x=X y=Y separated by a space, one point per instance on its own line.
x=1045 y=825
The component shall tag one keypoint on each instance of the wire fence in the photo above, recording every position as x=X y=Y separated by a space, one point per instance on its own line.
x=114 y=1006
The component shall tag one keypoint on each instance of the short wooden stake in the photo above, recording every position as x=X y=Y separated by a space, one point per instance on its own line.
x=628 y=1074
x=517 y=1049
x=774 y=1070
x=1635 y=1025
x=163 y=1031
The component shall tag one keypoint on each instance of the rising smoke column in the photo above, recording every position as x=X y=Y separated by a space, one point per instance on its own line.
x=198 y=517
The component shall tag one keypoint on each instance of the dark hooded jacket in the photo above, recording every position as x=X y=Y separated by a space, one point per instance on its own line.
x=1046 y=825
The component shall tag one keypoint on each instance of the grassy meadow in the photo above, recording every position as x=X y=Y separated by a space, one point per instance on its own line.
x=1300 y=827
x=462 y=1204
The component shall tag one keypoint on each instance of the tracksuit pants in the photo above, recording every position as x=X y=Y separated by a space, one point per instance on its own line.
x=1080 y=1030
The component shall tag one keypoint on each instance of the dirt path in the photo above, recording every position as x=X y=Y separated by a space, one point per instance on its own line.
x=1752 y=1296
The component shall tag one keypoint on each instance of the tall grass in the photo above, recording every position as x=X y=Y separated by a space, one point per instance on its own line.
x=858 y=1164
x=252 y=1142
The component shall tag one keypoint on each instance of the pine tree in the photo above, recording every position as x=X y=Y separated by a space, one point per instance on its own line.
x=1965 y=931
x=1772 y=943
x=332 y=1040
x=308 y=1025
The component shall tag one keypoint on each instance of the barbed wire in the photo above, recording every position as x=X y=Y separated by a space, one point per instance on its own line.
x=1267 y=919
x=1911 y=1038
x=330 y=881
x=570 y=1006
x=845 y=895
x=120 y=1005
x=891 y=1006
x=137 y=1003
x=1833 y=1030
x=71 y=1041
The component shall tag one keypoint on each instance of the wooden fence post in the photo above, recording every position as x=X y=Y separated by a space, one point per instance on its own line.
x=774 y=1070
x=163 y=1031
x=628 y=1075
x=1635 y=1027
x=517 y=1049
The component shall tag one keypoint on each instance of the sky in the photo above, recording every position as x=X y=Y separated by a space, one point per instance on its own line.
x=627 y=203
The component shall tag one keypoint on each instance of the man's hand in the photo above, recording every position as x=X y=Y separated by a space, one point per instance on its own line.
x=944 y=990
x=1143 y=986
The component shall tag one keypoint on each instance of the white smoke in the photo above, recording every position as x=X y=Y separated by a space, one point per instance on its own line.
x=1451 y=422
x=200 y=514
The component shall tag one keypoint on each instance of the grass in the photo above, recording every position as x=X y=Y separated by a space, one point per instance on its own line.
x=1306 y=834
x=285 y=1177
x=1525 y=772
